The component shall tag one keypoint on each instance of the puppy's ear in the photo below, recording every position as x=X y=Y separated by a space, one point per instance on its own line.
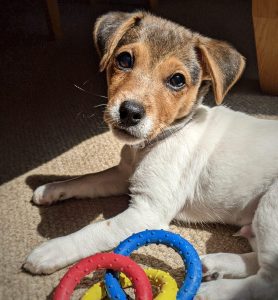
x=221 y=63
x=109 y=30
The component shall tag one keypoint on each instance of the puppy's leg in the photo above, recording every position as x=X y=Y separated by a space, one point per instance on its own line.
x=112 y=181
x=263 y=285
x=102 y=236
x=229 y=265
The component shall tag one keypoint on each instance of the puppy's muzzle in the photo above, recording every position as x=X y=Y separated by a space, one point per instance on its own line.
x=131 y=113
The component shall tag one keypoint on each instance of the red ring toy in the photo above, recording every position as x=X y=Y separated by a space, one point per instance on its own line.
x=111 y=261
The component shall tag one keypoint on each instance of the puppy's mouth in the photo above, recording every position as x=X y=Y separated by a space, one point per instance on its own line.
x=124 y=135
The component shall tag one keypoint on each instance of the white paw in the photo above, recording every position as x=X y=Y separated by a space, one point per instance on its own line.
x=47 y=194
x=39 y=196
x=51 y=256
x=211 y=266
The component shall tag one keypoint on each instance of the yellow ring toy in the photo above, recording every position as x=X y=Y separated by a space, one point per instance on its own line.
x=163 y=280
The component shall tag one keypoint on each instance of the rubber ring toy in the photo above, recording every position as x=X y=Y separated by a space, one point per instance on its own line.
x=163 y=280
x=120 y=263
x=189 y=255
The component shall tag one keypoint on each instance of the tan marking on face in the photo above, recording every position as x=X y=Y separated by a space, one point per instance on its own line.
x=147 y=84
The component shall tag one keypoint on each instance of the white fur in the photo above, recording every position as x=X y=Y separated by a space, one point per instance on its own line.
x=222 y=166
x=114 y=112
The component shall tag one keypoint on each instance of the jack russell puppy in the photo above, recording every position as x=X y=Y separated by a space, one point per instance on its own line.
x=181 y=159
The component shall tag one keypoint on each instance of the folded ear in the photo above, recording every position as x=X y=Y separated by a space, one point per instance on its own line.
x=109 y=30
x=222 y=64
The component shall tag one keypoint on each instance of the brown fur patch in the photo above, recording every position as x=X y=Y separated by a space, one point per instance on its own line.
x=224 y=65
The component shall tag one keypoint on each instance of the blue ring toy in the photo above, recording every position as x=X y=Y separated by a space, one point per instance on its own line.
x=189 y=255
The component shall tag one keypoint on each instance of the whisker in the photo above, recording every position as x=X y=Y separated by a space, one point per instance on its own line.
x=100 y=105
x=85 y=82
x=101 y=96
x=81 y=89
x=87 y=92
x=84 y=115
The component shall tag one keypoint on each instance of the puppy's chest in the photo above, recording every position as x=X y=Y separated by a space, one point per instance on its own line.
x=167 y=169
x=188 y=182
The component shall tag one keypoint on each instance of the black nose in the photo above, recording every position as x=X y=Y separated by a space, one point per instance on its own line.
x=131 y=113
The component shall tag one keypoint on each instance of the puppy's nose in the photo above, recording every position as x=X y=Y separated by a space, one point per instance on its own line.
x=131 y=113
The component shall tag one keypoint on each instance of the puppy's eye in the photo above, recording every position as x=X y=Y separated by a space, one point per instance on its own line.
x=176 y=81
x=124 y=61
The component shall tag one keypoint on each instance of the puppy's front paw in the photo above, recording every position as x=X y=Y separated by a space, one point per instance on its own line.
x=47 y=194
x=50 y=256
x=211 y=268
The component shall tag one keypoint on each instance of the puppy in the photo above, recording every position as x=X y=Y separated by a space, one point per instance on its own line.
x=181 y=159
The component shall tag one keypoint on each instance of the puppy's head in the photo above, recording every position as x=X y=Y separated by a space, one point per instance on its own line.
x=156 y=70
